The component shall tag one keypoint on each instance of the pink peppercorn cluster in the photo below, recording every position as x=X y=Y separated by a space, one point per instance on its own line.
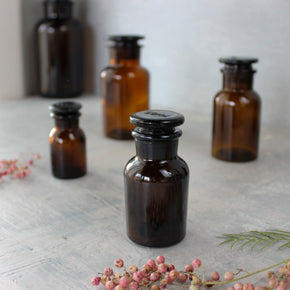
x=16 y=168
x=154 y=274
x=158 y=275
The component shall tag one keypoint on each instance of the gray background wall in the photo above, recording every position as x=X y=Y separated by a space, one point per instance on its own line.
x=184 y=39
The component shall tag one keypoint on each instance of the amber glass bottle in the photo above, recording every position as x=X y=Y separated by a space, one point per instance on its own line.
x=67 y=141
x=125 y=86
x=156 y=181
x=236 y=113
x=60 y=51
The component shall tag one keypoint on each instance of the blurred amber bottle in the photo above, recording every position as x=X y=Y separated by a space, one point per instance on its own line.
x=60 y=51
x=125 y=86
x=67 y=141
x=236 y=113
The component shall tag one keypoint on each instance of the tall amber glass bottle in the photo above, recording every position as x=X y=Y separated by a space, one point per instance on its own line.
x=60 y=51
x=236 y=113
x=125 y=86
x=67 y=141
x=156 y=181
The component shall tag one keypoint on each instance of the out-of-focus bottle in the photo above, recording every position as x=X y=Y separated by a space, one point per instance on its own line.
x=125 y=86
x=156 y=181
x=67 y=141
x=60 y=51
x=236 y=113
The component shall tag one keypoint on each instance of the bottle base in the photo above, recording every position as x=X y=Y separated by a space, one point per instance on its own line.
x=69 y=173
x=120 y=134
x=235 y=155
x=61 y=95
x=155 y=243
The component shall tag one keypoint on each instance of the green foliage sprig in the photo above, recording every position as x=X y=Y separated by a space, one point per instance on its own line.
x=255 y=238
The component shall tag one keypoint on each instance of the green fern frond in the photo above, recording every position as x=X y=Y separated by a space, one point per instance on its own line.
x=263 y=238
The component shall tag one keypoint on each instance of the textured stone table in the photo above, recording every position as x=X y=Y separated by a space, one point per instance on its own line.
x=57 y=234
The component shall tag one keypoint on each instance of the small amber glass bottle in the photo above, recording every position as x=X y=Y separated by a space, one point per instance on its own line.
x=156 y=181
x=236 y=113
x=67 y=141
x=125 y=86
x=60 y=51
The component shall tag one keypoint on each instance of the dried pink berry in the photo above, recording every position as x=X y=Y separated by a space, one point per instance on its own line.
x=182 y=278
x=137 y=276
x=119 y=263
x=173 y=275
x=228 y=276
x=133 y=285
x=162 y=268
x=124 y=281
x=215 y=276
x=163 y=283
x=154 y=276
x=271 y=274
x=146 y=270
x=168 y=279
x=108 y=272
x=196 y=263
x=188 y=268
x=273 y=283
x=160 y=260
x=110 y=285
x=248 y=286
x=238 y=286
x=151 y=263
x=170 y=267
x=133 y=269
x=96 y=280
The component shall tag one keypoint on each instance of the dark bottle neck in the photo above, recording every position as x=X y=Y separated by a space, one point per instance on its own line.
x=160 y=150
x=238 y=81
x=67 y=123
x=127 y=56
x=58 y=10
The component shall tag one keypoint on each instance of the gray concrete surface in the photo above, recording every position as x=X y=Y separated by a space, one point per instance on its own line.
x=57 y=234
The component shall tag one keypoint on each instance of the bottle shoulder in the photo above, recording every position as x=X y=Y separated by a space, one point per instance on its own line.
x=45 y=24
x=156 y=170
x=119 y=73
x=237 y=96
x=125 y=69
x=69 y=134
